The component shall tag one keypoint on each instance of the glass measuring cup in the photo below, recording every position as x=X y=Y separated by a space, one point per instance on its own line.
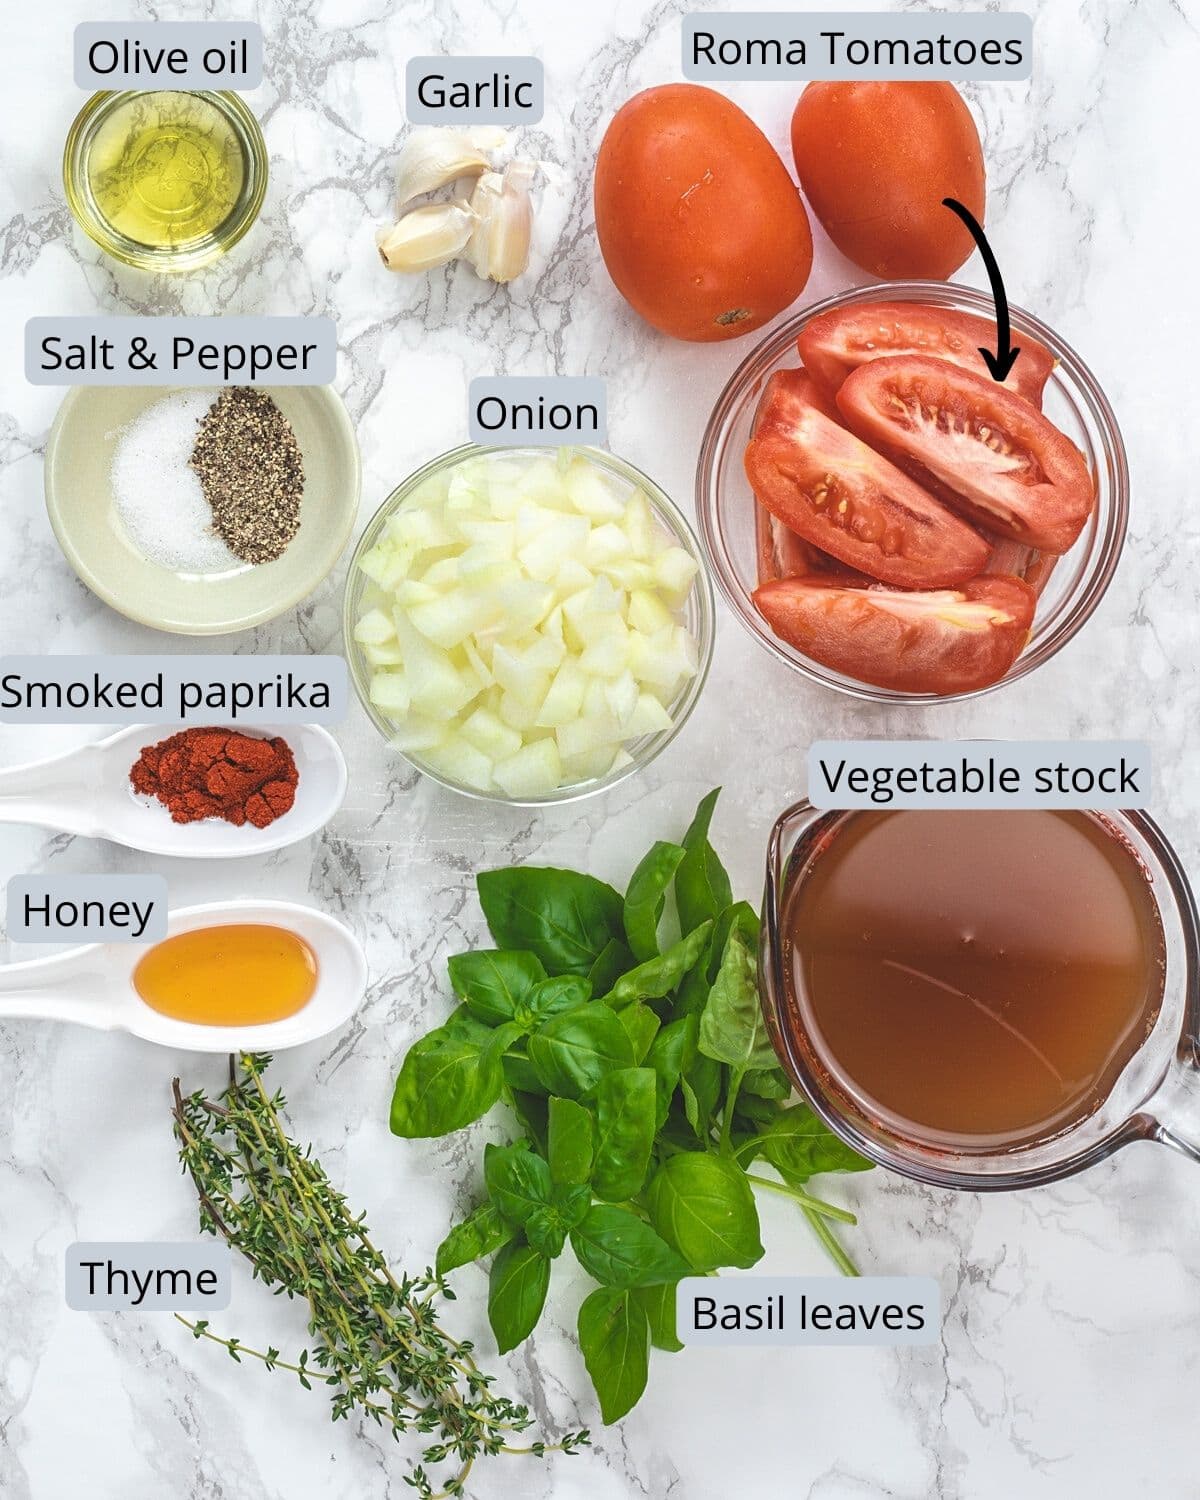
x=1156 y=1097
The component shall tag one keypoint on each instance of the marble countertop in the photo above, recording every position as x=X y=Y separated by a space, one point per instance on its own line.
x=1072 y=1313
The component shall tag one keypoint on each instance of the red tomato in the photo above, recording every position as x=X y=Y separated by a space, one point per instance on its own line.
x=837 y=342
x=781 y=553
x=838 y=494
x=1026 y=563
x=991 y=453
x=700 y=225
x=875 y=161
x=948 y=641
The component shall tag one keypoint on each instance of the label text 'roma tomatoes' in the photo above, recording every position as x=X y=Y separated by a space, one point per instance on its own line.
x=990 y=452
x=944 y=641
x=835 y=343
x=838 y=494
x=701 y=227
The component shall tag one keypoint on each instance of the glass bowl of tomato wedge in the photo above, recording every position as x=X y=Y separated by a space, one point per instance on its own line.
x=888 y=517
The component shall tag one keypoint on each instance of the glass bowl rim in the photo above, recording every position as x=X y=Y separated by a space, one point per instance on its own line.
x=1088 y=592
x=136 y=253
x=660 y=502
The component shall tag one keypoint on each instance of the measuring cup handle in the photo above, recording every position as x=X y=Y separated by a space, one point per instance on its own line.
x=1174 y=1111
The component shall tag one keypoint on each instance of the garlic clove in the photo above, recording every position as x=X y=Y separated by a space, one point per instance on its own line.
x=503 y=207
x=434 y=155
x=483 y=204
x=426 y=237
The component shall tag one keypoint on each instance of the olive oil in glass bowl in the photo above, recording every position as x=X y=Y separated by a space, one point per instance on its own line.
x=165 y=180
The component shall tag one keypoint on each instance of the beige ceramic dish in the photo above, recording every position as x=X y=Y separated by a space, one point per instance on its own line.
x=84 y=516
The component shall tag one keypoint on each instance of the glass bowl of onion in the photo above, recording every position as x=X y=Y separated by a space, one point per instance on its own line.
x=528 y=625
x=740 y=539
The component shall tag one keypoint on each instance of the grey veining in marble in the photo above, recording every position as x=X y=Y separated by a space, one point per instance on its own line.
x=1068 y=1366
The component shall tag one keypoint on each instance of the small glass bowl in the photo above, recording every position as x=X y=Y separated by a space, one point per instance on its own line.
x=188 y=254
x=697 y=617
x=1073 y=401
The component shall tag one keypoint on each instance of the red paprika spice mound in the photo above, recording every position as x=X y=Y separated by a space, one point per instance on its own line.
x=218 y=773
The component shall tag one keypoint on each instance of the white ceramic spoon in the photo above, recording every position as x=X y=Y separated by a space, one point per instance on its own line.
x=87 y=791
x=93 y=986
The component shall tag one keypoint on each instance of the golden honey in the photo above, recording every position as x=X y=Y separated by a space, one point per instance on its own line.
x=243 y=974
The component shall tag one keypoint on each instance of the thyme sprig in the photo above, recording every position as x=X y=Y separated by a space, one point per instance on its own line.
x=377 y=1341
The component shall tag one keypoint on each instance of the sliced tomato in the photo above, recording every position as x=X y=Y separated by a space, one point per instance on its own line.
x=990 y=453
x=781 y=553
x=785 y=393
x=1026 y=563
x=836 y=493
x=941 y=641
x=836 y=343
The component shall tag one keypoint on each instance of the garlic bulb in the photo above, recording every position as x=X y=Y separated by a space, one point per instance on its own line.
x=435 y=155
x=426 y=237
x=503 y=210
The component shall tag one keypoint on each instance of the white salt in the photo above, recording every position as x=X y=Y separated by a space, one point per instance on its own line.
x=158 y=498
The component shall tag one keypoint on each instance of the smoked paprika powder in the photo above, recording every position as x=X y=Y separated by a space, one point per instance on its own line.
x=218 y=773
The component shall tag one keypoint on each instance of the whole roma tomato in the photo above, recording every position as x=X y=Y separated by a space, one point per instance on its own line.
x=985 y=450
x=701 y=227
x=838 y=494
x=943 y=641
x=875 y=161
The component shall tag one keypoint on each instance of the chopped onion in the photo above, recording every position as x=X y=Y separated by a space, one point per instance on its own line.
x=524 y=623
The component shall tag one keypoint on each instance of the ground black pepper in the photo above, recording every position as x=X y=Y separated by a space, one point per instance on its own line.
x=252 y=473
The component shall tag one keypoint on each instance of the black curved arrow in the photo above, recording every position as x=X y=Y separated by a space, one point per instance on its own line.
x=1005 y=356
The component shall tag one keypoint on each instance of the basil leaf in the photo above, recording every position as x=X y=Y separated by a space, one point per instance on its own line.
x=700 y=1084
x=465 y=1027
x=480 y=1234
x=614 y=1337
x=640 y=1025
x=551 y=998
x=564 y=917
x=571 y=1203
x=619 y=1249
x=659 y=976
x=766 y=1083
x=546 y=1232
x=532 y=1113
x=446 y=1082
x=741 y=918
x=572 y=1052
x=646 y=896
x=492 y=981
x=799 y=1143
x=517 y=1286
x=692 y=995
x=519 y=1074
x=658 y=1303
x=666 y=1057
x=702 y=1206
x=571 y=1142
x=732 y=1029
x=702 y=889
x=518 y=1181
x=625 y=1123
x=609 y=966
